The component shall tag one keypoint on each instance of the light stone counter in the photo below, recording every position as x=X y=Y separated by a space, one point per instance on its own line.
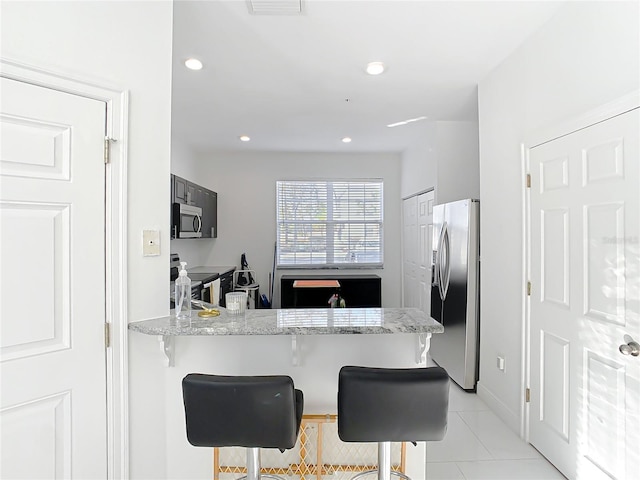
x=300 y=321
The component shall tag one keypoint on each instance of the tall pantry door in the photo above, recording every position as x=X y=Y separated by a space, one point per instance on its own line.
x=585 y=272
x=53 y=414
x=410 y=252
x=425 y=233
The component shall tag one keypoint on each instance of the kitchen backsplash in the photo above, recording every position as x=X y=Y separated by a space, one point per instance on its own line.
x=193 y=251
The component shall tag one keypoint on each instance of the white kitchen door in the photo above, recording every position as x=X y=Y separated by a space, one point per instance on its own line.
x=53 y=417
x=425 y=232
x=585 y=270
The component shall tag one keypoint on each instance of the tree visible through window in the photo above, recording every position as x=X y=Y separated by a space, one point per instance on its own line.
x=329 y=223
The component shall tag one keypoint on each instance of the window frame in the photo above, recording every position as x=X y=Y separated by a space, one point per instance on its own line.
x=329 y=224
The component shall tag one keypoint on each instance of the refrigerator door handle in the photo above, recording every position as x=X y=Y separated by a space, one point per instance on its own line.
x=439 y=271
x=445 y=250
x=435 y=275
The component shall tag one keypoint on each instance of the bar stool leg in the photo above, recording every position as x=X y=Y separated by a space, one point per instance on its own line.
x=384 y=465
x=384 y=461
x=253 y=464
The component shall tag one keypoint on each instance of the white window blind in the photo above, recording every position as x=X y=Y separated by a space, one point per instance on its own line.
x=329 y=223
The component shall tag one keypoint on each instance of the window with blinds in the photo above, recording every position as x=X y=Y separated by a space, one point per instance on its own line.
x=329 y=223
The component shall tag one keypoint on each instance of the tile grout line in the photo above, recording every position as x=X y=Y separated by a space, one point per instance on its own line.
x=493 y=457
x=458 y=464
x=537 y=457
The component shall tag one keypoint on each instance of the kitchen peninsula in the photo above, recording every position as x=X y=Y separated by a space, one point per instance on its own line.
x=294 y=322
x=310 y=345
x=301 y=321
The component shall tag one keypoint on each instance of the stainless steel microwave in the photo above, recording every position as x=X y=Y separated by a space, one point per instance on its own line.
x=187 y=221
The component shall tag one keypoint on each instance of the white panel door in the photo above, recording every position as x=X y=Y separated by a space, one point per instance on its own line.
x=425 y=232
x=52 y=295
x=585 y=272
x=410 y=252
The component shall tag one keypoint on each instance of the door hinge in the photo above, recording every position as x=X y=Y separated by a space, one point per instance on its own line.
x=107 y=334
x=527 y=395
x=528 y=289
x=107 y=149
x=528 y=180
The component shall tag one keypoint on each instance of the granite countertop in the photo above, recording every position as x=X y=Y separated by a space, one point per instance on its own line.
x=299 y=321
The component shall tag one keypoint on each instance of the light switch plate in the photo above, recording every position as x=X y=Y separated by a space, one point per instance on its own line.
x=150 y=243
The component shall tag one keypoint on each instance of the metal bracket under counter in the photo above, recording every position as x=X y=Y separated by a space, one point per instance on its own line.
x=167 y=346
x=422 y=347
x=295 y=361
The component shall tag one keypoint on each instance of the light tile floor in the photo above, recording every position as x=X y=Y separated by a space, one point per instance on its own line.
x=479 y=446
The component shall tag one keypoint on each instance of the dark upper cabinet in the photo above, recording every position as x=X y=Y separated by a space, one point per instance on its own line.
x=192 y=193
x=179 y=190
x=173 y=191
x=184 y=191
x=208 y=201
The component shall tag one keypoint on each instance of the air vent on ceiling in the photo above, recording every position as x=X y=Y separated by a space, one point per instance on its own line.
x=275 y=7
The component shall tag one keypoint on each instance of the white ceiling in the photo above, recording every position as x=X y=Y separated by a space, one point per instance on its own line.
x=284 y=79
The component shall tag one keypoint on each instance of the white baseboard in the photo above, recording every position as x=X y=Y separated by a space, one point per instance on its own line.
x=511 y=419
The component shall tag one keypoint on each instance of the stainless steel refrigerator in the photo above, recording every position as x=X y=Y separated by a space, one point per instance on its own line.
x=455 y=290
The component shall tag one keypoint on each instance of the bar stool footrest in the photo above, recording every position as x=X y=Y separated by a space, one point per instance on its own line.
x=369 y=472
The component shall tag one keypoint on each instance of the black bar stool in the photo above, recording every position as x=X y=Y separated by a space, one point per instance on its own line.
x=387 y=405
x=251 y=412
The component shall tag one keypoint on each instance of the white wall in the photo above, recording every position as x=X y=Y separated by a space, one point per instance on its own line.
x=184 y=163
x=458 y=165
x=102 y=42
x=419 y=161
x=246 y=187
x=443 y=156
x=585 y=56
x=183 y=160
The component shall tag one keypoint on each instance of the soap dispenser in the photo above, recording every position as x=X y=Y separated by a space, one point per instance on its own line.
x=183 y=294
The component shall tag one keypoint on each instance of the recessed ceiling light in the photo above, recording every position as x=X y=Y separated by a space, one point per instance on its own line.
x=404 y=122
x=244 y=138
x=346 y=140
x=375 y=68
x=193 y=64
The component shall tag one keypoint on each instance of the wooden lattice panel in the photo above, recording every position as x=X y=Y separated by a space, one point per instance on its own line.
x=318 y=453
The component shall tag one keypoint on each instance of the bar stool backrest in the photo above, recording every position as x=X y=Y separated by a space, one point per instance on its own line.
x=249 y=411
x=392 y=405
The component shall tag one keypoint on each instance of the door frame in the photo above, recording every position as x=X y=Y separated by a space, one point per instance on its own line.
x=600 y=114
x=117 y=103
